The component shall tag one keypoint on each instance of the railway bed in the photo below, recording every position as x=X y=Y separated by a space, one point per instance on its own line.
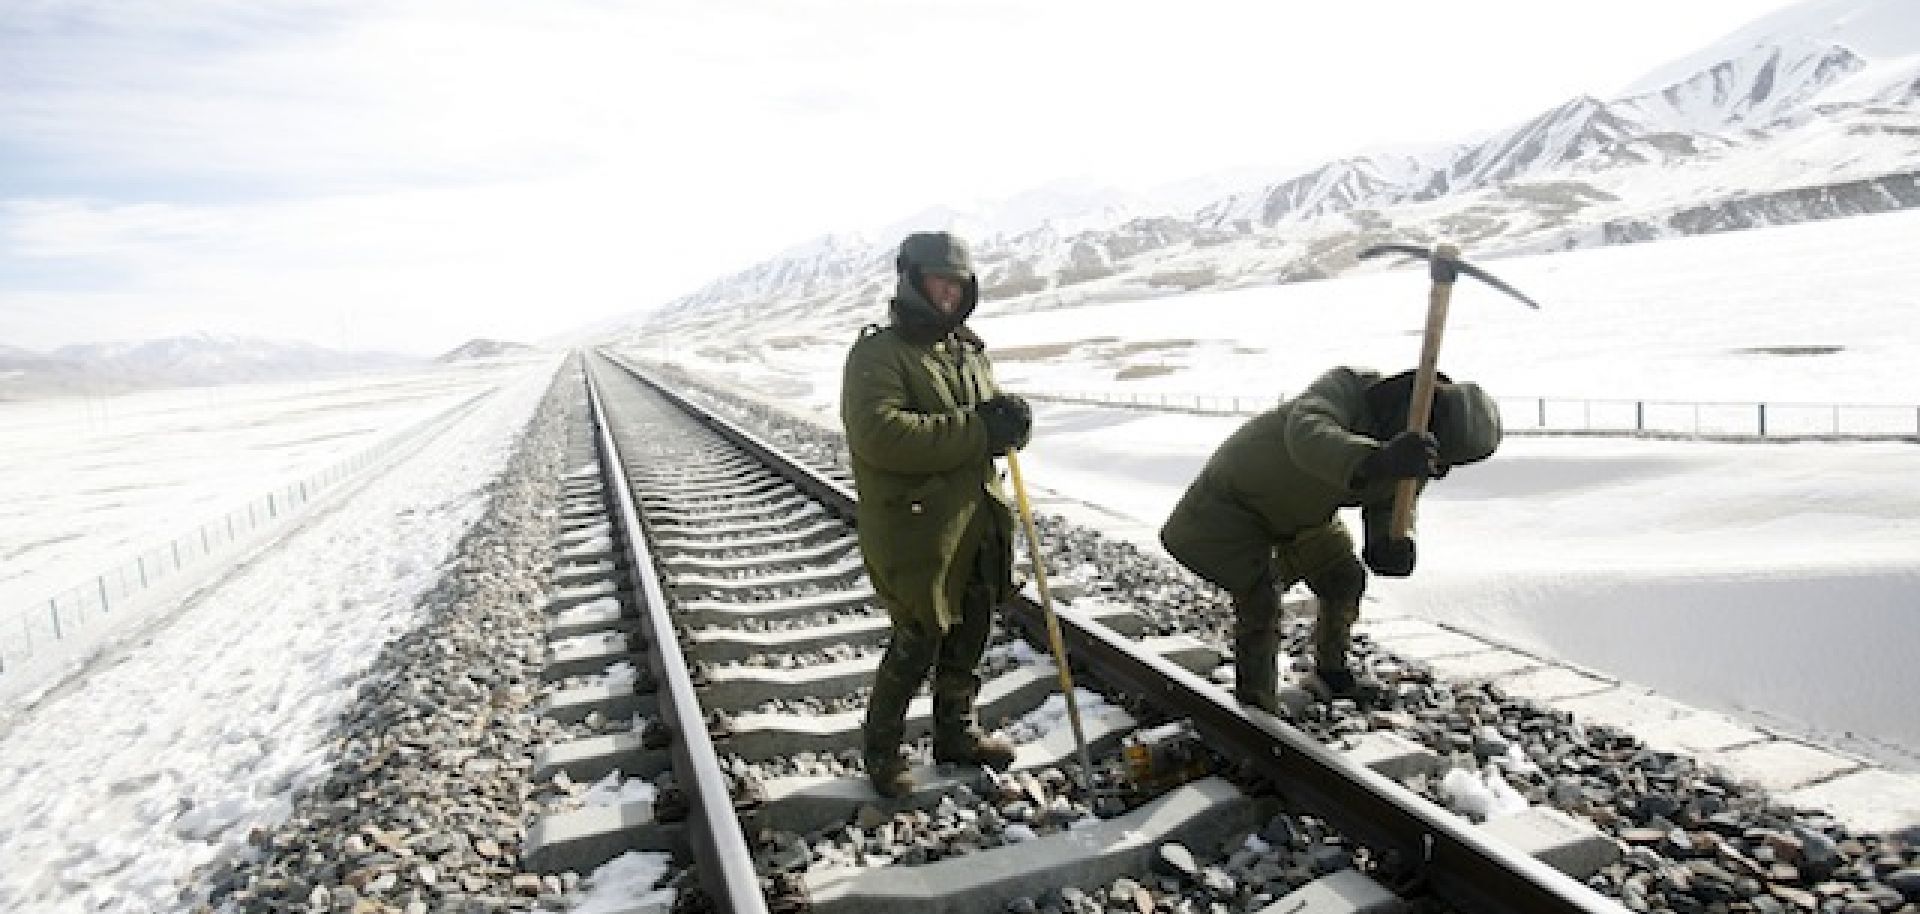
x=736 y=734
x=718 y=668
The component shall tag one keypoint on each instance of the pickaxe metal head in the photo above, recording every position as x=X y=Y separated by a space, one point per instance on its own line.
x=1444 y=265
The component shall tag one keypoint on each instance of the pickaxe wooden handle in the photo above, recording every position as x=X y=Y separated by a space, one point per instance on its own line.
x=1444 y=266
x=1053 y=621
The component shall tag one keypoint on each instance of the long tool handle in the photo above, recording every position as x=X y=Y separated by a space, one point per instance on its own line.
x=1444 y=268
x=1053 y=623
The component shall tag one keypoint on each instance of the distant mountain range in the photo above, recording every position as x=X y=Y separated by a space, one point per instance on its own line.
x=481 y=349
x=97 y=368
x=1810 y=113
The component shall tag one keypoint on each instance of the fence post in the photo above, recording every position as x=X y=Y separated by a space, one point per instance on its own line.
x=176 y=554
x=1763 y=420
x=53 y=607
x=143 y=570
x=1639 y=415
x=1543 y=412
x=272 y=510
x=100 y=580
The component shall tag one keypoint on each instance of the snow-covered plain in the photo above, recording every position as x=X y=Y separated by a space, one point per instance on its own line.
x=171 y=749
x=1774 y=581
x=86 y=480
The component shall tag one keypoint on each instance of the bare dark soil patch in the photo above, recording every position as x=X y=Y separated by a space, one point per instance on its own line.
x=1790 y=350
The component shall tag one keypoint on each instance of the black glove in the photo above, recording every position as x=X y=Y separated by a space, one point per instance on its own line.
x=1009 y=423
x=1408 y=455
x=1388 y=557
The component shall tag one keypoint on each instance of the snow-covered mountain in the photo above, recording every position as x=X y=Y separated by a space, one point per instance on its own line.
x=844 y=271
x=1808 y=113
x=1067 y=205
x=177 y=361
x=1880 y=31
x=483 y=349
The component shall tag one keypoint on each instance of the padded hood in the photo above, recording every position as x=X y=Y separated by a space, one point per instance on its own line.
x=1466 y=421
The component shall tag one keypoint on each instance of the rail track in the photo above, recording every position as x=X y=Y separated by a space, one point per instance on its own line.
x=713 y=635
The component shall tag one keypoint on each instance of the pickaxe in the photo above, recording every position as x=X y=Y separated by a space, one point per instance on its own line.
x=1443 y=266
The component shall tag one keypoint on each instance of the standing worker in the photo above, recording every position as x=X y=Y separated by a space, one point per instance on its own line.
x=1263 y=514
x=924 y=421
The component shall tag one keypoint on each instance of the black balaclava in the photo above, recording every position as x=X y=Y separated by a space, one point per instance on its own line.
x=931 y=252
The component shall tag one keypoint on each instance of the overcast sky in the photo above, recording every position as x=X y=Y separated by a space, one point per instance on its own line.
x=407 y=175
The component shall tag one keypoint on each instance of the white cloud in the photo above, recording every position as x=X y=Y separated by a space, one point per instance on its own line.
x=419 y=270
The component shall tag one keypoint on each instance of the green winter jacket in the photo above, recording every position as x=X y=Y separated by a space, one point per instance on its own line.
x=929 y=492
x=1277 y=483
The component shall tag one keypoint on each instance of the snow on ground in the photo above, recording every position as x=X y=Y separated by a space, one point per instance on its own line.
x=1773 y=581
x=1766 y=579
x=85 y=479
x=172 y=749
x=626 y=884
x=1688 y=319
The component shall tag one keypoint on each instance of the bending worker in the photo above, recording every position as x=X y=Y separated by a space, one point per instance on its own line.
x=924 y=421
x=1263 y=514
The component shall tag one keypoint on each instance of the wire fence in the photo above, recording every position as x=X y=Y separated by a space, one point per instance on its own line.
x=56 y=627
x=1570 y=416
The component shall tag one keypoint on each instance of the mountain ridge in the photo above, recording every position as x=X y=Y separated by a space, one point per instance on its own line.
x=180 y=361
x=1799 y=125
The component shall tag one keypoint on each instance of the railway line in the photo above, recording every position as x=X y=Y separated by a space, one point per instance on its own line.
x=658 y=640
x=713 y=637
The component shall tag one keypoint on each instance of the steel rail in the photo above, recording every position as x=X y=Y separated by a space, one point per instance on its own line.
x=720 y=849
x=1440 y=850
